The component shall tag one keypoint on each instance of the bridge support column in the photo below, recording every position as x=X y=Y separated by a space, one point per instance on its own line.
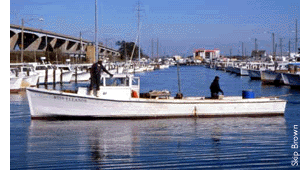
x=35 y=45
x=13 y=41
x=73 y=48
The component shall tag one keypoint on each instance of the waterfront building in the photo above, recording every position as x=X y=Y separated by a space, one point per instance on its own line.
x=205 y=54
x=259 y=53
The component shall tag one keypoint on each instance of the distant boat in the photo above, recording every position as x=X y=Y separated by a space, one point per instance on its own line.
x=120 y=98
x=15 y=81
x=22 y=76
x=275 y=76
x=293 y=79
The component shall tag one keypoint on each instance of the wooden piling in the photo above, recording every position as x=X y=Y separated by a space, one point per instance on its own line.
x=17 y=73
x=75 y=75
x=54 y=78
x=38 y=83
x=46 y=79
x=61 y=76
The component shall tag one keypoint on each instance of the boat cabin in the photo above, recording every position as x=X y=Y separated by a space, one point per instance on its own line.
x=119 y=87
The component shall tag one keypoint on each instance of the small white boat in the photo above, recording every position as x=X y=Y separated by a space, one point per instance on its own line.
x=15 y=81
x=150 y=68
x=30 y=77
x=119 y=98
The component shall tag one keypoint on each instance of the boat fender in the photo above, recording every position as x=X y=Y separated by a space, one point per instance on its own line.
x=134 y=94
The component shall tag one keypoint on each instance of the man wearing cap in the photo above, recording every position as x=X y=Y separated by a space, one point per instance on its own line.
x=96 y=71
x=215 y=88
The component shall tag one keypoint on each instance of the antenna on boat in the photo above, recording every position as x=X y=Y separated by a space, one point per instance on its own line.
x=139 y=30
x=296 y=40
x=179 y=94
x=96 y=32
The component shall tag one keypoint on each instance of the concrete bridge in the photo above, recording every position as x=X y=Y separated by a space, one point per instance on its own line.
x=36 y=40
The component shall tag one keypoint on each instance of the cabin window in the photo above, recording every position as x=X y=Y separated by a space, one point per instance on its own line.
x=117 y=81
x=135 y=81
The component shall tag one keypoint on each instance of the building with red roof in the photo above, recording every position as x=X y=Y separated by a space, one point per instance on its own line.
x=206 y=54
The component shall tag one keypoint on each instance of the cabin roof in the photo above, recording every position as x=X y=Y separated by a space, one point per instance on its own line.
x=118 y=75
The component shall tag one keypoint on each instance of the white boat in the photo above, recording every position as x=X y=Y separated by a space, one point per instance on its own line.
x=15 y=84
x=242 y=69
x=255 y=70
x=271 y=77
x=119 y=98
x=30 y=77
x=138 y=69
x=293 y=79
x=150 y=68
x=275 y=76
x=15 y=81
x=21 y=77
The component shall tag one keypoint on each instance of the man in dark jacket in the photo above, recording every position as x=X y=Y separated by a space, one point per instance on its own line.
x=215 y=88
x=96 y=71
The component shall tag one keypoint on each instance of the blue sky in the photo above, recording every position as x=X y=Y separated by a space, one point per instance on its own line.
x=180 y=26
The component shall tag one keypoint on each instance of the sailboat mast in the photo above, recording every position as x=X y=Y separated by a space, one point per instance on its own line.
x=157 y=49
x=273 y=39
x=296 y=41
x=289 y=48
x=152 y=48
x=139 y=31
x=96 y=32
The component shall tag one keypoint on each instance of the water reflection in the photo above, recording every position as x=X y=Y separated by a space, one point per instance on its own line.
x=151 y=143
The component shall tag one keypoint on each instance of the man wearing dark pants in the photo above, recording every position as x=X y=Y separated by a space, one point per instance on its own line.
x=215 y=88
x=96 y=71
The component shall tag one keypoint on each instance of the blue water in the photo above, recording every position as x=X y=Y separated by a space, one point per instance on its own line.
x=211 y=143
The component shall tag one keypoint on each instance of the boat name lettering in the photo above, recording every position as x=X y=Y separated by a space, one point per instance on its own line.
x=295 y=145
x=69 y=99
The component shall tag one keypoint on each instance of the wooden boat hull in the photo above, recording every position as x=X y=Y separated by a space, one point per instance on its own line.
x=54 y=104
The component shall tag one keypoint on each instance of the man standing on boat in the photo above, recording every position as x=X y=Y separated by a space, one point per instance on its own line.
x=215 y=88
x=96 y=71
